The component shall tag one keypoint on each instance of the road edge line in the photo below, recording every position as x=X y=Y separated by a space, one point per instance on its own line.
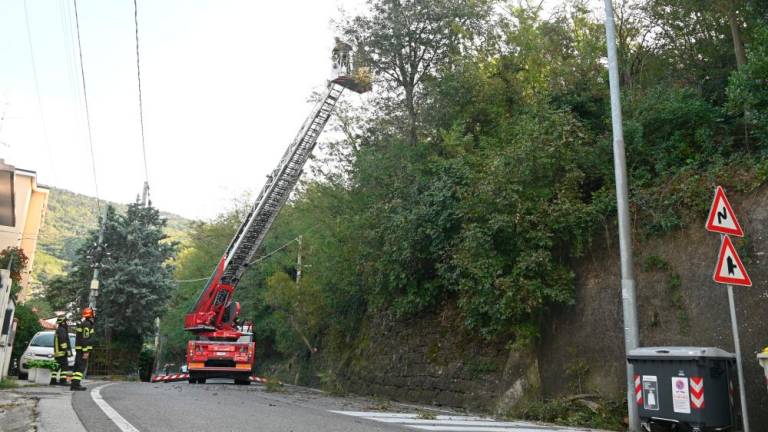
x=110 y=412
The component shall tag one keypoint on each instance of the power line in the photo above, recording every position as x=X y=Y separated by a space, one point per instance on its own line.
x=141 y=105
x=87 y=112
x=68 y=39
x=259 y=259
x=37 y=91
x=263 y=257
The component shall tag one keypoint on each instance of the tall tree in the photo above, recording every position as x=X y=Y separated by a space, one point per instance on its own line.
x=136 y=276
x=406 y=41
x=139 y=278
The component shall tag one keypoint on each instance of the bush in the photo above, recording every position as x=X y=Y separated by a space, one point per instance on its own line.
x=43 y=364
x=146 y=363
x=27 y=327
x=587 y=411
x=7 y=383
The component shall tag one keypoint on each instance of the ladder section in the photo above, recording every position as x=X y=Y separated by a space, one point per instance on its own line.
x=277 y=189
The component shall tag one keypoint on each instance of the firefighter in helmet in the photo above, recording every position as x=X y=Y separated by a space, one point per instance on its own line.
x=83 y=347
x=61 y=351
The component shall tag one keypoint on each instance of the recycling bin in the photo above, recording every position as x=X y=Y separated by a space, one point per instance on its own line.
x=763 y=359
x=684 y=388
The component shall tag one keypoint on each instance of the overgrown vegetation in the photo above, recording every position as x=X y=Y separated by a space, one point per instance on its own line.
x=582 y=410
x=482 y=166
x=7 y=384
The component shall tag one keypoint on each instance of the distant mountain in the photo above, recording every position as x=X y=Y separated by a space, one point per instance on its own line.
x=69 y=218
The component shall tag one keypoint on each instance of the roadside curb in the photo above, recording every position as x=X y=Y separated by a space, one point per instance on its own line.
x=53 y=411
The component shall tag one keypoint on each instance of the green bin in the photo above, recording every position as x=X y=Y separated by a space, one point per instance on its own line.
x=685 y=388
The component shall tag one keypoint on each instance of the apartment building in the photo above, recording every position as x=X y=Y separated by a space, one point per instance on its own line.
x=23 y=204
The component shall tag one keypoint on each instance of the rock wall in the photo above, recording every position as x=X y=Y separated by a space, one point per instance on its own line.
x=428 y=360
x=678 y=304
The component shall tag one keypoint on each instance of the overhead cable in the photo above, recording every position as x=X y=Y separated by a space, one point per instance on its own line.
x=141 y=105
x=87 y=112
x=37 y=91
x=257 y=260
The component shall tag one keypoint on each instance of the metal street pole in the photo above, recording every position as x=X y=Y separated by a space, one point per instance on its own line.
x=737 y=347
x=628 y=296
x=739 y=368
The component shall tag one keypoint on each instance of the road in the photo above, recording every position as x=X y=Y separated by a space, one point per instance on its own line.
x=132 y=407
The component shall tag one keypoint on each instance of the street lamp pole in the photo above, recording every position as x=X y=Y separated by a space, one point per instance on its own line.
x=628 y=296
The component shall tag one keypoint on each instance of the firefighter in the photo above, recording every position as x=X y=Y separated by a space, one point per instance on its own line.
x=83 y=347
x=61 y=351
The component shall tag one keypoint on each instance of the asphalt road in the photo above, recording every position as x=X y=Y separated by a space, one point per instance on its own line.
x=131 y=407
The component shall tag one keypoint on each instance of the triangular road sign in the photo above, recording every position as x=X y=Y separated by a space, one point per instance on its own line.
x=729 y=268
x=722 y=218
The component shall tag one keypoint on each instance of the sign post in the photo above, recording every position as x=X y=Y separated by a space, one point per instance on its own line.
x=730 y=271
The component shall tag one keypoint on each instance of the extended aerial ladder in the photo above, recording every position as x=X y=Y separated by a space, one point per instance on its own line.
x=222 y=347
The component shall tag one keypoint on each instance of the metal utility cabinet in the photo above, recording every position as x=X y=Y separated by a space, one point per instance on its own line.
x=685 y=388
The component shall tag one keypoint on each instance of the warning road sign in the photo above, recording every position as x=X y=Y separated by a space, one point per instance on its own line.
x=729 y=268
x=722 y=218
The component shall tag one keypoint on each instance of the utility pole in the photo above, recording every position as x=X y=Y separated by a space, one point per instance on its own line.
x=96 y=257
x=628 y=296
x=145 y=194
x=157 y=344
x=298 y=262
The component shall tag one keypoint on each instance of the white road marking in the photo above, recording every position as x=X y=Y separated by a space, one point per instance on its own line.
x=450 y=423
x=378 y=414
x=529 y=428
x=110 y=412
x=455 y=421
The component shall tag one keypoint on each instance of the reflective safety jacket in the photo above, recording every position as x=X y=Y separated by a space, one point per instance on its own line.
x=84 y=336
x=61 y=346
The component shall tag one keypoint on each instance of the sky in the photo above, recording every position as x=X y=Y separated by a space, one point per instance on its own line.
x=225 y=88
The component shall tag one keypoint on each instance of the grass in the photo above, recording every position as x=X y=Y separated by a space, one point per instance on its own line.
x=272 y=385
x=8 y=383
x=600 y=413
x=426 y=415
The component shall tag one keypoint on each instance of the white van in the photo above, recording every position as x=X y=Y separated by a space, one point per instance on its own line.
x=41 y=348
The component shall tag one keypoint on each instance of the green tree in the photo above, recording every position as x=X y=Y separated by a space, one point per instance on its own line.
x=27 y=326
x=136 y=274
x=481 y=170
x=747 y=89
x=406 y=42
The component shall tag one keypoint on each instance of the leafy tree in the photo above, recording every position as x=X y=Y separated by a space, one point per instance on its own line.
x=138 y=280
x=701 y=40
x=406 y=41
x=135 y=277
x=27 y=326
x=747 y=87
x=481 y=170
x=40 y=306
x=61 y=291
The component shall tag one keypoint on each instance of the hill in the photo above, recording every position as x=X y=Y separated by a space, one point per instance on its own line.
x=70 y=216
